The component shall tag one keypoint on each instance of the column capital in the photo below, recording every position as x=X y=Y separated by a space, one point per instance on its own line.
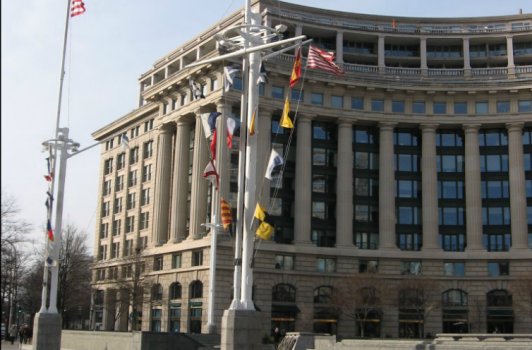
x=345 y=122
x=470 y=128
x=514 y=127
x=429 y=127
x=509 y=37
x=220 y=104
x=182 y=121
x=305 y=118
x=266 y=110
x=166 y=128
x=387 y=125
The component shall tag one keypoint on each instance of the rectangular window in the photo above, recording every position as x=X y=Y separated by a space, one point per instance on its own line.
x=132 y=178
x=144 y=220
x=104 y=230
x=146 y=173
x=357 y=103
x=106 y=209
x=277 y=92
x=134 y=155
x=454 y=269
x=145 y=199
x=118 y=205
x=503 y=107
x=377 y=105
x=108 y=166
x=481 y=108
x=197 y=258
x=368 y=266
x=115 y=253
x=410 y=268
x=130 y=224
x=117 y=227
x=297 y=95
x=365 y=240
x=148 y=149
x=119 y=183
x=131 y=201
x=316 y=99
x=128 y=248
x=237 y=84
x=184 y=99
x=284 y=262
x=440 y=107
x=460 y=108
x=398 y=106
x=158 y=263
x=525 y=106
x=337 y=101
x=498 y=269
x=408 y=215
x=107 y=187
x=418 y=107
x=176 y=261
x=325 y=265
x=214 y=84
x=103 y=252
x=120 y=161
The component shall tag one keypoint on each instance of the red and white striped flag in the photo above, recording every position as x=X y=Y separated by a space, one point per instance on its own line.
x=319 y=59
x=78 y=8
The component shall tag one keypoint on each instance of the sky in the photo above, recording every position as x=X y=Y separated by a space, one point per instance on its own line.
x=110 y=46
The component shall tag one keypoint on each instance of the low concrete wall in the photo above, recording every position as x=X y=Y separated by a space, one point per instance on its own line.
x=97 y=340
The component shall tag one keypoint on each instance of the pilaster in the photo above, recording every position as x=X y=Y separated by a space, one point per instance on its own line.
x=344 y=196
x=386 y=187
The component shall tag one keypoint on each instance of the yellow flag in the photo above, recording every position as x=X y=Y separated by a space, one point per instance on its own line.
x=252 y=126
x=285 y=120
x=262 y=224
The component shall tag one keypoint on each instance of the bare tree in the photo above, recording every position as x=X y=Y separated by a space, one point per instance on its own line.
x=129 y=288
x=477 y=313
x=14 y=229
x=522 y=291
x=420 y=294
x=360 y=297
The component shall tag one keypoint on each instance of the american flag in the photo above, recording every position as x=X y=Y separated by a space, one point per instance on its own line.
x=319 y=59
x=78 y=8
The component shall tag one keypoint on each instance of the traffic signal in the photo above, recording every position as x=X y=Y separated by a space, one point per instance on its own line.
x=19 y=310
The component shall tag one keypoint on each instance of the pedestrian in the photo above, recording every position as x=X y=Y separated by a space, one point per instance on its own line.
x=13 y=333
x=20 y=337
x=276 y=337
x=30 y=334
x=26 y=333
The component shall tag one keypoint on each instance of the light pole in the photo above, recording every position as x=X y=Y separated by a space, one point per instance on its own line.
x=11 y=287
x=214 y=226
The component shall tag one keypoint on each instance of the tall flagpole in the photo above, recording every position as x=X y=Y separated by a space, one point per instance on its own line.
x=52 y=185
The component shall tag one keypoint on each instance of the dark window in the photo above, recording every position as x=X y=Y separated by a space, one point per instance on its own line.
x=284 y=293
x=525 y=106
x=503 y=107
x=322 y=294
x=357 y=103
x=498 y=269
x=197 y=258
x=316 y=99
x=337 y=101
x=460 y=108
x=196 y=290
x=157 y=292
x=377 y=105
x=398 y=106
x=440 y=107
x=499 y=298
x=418 y=107
x=455 y=297
x=481 y=108
x=278 y=92
x=175 y=290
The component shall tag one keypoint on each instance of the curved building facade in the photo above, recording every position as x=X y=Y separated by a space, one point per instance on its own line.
x=417 y=162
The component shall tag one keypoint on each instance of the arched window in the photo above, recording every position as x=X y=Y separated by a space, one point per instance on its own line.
x=196 y=290
x=157 y=292
x=455 y=297
x=409 y=298
x=284 y=293
x=499 y=297
x=175 y=291
x=322 y=294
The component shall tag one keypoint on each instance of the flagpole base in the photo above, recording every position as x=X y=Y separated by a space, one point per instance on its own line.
x=47 y=332
x=241 y=330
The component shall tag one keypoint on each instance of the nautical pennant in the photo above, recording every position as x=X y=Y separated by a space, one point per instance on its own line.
x=231 y=126
x=49 y=231
x=78 y=8
x=296 y=72
x=263 y=78
x=275 y=160
x=227 y=216
x=211 y=174
x=262 y=224
x=230 y=72
x=285 y=119
x=196 y=90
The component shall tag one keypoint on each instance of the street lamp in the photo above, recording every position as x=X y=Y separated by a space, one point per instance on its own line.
x=212 y=278
x=11 y=287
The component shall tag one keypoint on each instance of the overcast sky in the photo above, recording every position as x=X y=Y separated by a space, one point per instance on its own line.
x=110 y=46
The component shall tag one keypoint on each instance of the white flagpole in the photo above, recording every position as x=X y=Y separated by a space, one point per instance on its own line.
x=52 y=185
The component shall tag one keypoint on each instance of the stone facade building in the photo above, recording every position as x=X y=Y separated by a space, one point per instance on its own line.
x=417 y=161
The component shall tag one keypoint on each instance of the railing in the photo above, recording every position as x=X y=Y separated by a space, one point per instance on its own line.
x=523 y=69
x=454 y=247
x=489 y=71
x=410 y=247
x=367 y=245
x=498 y=248
x=403 y=71
x=360 y=68
x=447 y=72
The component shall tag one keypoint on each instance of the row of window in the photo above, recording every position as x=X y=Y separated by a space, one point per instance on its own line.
x=418 y=107
x=134 y=132
x=133 y=158
x=131 y=202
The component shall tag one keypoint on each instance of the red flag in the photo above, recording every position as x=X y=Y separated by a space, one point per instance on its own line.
x=49 y=177
x=213 y=145
x=319 y=59
x=231 y=126
x=296 y=72
x=78 y=8
x=393 y=23
x=211 y=174
x=227 y=217
x=49 y=231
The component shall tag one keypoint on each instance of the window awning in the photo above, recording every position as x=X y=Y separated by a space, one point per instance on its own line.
x=501 y=313
x=175 y=304
x=285 y=308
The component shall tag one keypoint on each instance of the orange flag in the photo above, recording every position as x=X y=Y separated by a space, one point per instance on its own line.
x=296 y=73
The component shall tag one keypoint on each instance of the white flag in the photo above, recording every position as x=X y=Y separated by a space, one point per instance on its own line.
x=230 y=72
x=275 y=160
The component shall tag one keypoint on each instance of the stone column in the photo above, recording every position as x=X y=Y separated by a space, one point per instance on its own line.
x=299 y=32
x=344 y=194
x=223 y=158
x=386 y=187
x=303 y=192
x=510 y=54
x=473 y=188
x=162 y=186
x=382 y=65
x=198 y=201
x=339 y=47
x=423 y=55
x=518 y=202
x=179 y=216
x=429 y=173
x=467 y=58
x=264 y=148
